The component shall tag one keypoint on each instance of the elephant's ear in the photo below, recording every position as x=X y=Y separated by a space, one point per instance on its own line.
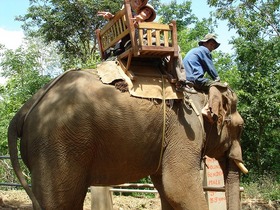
x=219 y=105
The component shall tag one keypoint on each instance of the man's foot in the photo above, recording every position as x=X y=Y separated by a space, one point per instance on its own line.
x=189 y=89
x=188 y=83
x=182 y=86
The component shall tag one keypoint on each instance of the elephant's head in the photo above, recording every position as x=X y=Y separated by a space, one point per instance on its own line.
x=223 y=140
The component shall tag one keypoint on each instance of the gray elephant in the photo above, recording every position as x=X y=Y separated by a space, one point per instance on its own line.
x=77 y=132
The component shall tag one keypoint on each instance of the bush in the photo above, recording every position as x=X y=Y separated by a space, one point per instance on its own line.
x=7 y=174
x=265 y=188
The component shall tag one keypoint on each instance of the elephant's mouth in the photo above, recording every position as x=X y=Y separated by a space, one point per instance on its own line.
x=241 y=166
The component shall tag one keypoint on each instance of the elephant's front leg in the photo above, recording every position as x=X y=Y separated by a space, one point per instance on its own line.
x=179 y=182
x=157 y=181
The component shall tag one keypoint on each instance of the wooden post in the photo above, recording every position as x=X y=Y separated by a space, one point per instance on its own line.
x=130 y=26
x=101 y=198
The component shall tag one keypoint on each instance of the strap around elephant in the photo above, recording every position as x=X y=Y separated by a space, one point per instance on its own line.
x=164 y=124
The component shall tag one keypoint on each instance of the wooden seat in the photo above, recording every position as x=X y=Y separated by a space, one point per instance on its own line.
x=156 y=39
x=148 y=39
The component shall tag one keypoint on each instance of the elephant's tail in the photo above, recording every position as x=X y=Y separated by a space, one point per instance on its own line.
x=13 y=150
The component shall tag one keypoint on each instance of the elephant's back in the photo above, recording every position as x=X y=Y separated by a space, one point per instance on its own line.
x=75 y=93
x=81 y=113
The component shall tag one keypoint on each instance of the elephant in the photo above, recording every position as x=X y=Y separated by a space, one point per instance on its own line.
x=77 y=132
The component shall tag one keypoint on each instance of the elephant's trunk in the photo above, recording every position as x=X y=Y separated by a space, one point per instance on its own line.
x=232 y=180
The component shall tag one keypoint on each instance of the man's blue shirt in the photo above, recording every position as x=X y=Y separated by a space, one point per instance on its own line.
x=198 y=61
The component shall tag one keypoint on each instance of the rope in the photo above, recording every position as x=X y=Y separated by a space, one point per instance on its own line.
x=164 y=119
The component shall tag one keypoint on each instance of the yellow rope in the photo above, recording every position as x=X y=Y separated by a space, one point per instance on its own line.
x=164 y=119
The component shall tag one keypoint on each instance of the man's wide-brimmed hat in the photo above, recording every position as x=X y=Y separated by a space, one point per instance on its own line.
x=153 y=15
x=209 y=37
x=136 y=6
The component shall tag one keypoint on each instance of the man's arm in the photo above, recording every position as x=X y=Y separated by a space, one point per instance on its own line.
x=105 y=15
x=210 y=69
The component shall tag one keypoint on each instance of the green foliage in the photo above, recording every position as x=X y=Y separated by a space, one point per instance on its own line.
x=258 y=62
x=265 y=187
x=23 y=71
x=15 y=93
x=257 y=58
x=70 y=24
x=188 y=37
x=251 y=19
x=227 y=69
x=7 y=174
x=182 y=13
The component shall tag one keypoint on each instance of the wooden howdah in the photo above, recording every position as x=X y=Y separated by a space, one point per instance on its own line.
x=147 y=39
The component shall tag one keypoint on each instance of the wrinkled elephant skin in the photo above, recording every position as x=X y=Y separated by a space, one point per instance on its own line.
x=81 y=133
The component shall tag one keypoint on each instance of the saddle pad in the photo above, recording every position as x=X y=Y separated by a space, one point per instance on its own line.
x=148 y=83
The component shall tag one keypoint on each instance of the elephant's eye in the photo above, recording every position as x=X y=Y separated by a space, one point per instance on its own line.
x=228 y=119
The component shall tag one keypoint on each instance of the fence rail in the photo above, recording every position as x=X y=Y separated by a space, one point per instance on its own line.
x=6 y=157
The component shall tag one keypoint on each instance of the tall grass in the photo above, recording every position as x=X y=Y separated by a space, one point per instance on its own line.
x=265 y=187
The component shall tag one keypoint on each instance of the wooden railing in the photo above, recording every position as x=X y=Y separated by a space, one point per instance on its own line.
x=112 y=32
x=157 y=39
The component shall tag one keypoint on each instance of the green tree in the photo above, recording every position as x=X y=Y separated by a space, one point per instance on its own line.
x=182 y=13
x=257 y=56
x=70 y=24
x=189 y=36
x=25 y=70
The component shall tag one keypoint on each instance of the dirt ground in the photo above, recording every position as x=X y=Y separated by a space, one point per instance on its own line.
x=18 y=200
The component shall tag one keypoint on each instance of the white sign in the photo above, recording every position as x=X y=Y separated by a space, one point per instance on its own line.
x=214 y=178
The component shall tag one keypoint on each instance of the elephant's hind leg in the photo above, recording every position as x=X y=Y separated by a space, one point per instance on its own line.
x=59 y=189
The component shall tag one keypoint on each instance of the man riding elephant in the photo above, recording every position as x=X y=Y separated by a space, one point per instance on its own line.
x=197 y=62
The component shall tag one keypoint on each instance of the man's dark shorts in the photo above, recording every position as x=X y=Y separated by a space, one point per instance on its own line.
x=203 y=85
